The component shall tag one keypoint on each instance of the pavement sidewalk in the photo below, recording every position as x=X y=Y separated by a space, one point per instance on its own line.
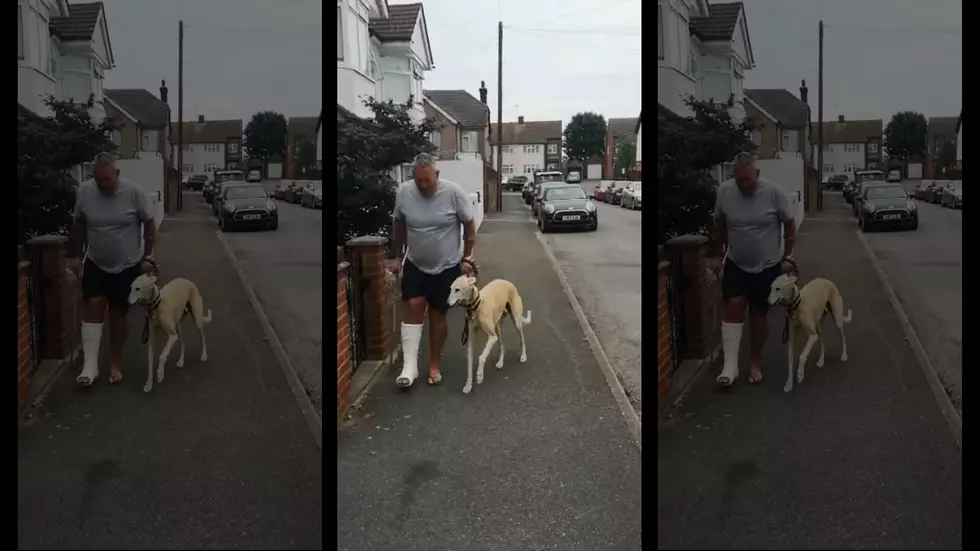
x=537 y=457
x=217 y=456
x=858 y=456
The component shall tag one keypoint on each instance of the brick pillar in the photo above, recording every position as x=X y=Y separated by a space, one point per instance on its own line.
x=24 y=352
x=690 y=252
x=665 y=362
x=377 y=315
x=344 y=367
x=50 y=271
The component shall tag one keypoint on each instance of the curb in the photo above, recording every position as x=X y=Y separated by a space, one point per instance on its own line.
x=295 y=384
x=44 y=376
x=633 y=421
x=932 y=377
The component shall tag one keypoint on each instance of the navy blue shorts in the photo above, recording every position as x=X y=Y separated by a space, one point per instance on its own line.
x=736 y=282
x=96 y=282
x=434 y=287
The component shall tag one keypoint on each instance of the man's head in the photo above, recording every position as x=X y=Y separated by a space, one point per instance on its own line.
x=746 y=174
x=426 y=174
x=105 y=173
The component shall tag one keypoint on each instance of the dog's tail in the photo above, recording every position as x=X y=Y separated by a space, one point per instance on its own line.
x=197 y=307
x=527 y=317
x=847 y=318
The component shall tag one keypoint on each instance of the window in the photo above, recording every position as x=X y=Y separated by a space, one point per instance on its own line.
x=507 y=169
x=790 y=138
x=45 y=44
x=340 y=33
x=552 y=166
x=506 y=149
x=20 y=33
x=757 y=138
x=210 y=167
x=852 y=148
x=552 y=149
x=363 y=44
x=148 y=141
x=872 y=147
x=532 y=149
x=827 y=148
x=468 y=141
x=436 y=137
x=531 y=169
x=214 y=148
x=53 y=62
x=660 y=31
x=850 y=167
x=233 y=148
x=116 y=137
x=188 y=169
x=828 y=168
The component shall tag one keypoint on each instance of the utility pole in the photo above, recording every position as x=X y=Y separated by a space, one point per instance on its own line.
x=180 y=115
x=500 y=115
x=820 y=122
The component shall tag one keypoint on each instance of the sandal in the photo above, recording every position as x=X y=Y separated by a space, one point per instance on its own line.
x=115 y=377
x=435 y=381
x=755 y=377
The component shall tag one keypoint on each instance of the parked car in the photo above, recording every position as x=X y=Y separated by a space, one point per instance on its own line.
x=567 y=206
x=894 y=176
x=929 y=191
x=848 y=191
x=862 y=193
x=540 y=178
x=574 y=177
x=228 y=175
x=615 y=193
x=937 y=196
x=887 y=205
x=607 y=192
x=632 y=198
x=919 y=191
x=254 y=175
x=220 y=192
x=599 y=192
x=515 y=183
x=952 y=195
x=544 y=186
x=312 y=196
x=866 y=175
x=247 y=205
x=837 y=182
x=292 y=193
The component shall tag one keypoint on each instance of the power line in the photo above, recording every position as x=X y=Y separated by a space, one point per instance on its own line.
x=256 y=29
x=589 y=45
x=629 y=31
x=587 y=10
x=948 y=32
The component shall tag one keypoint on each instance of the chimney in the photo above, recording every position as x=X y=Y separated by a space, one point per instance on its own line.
x=803 y=91
x=163 y=91
x=200 y=118
x=483 y=92
x=840 y=118
x=520 y=120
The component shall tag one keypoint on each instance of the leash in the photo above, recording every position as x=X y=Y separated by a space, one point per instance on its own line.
x=795 y=270
x=146 y=316
x=472 y=307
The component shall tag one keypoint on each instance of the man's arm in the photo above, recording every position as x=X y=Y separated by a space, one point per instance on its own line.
x=149 y=223
x=465 y=214
x=720 y=232
x=469 y=238
x=398 y=236
x=788 y=219
x=79 y=229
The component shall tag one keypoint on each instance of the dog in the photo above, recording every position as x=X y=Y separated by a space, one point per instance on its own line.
x=165 y=309
x=485 y=309
x=805 y=309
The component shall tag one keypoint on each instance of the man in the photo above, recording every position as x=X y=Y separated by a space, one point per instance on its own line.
x=750 y=213
x=428 y=214
x=112 y=217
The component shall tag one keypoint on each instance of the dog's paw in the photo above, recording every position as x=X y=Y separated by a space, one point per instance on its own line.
x=159 y=377
x=479 y=378
x=467 y=388
x=799 y=376
x=180 y=362
x=523 y=358
x=204 y=357
x=500 y=365
x=148 y=386
x=788 y=387
x=819 y=362
x=843 y=357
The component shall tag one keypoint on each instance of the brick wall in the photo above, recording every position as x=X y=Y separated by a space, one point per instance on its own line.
x=376 y=317
x=58 y=293
x=25 y=354
x=665 y=362
x=344 y=366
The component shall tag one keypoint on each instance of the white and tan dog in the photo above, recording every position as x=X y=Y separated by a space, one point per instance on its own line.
x=485 y=309
x=166 y=308
x=806 y=308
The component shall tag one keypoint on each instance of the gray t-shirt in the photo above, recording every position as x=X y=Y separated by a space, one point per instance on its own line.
x=754 y=223
x=432 y=224
x=114 y=224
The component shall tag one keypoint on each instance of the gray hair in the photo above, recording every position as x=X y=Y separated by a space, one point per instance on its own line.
x=745 y=159
x=104 y=158
x=423 y=159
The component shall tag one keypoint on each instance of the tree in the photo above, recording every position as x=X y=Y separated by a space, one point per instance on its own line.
x=585 y=136
x=47 y=150
x=367 y=150
x=945 y=154
x=305 y=156
x=905 y=135
x=265 y=135
x=687 y=149
x=625 y=155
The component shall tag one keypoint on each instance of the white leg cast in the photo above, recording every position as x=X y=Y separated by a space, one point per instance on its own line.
x=789 y=359
x=500 y=337
x=491 y=340
x=469 y=361
x=411 y=337
x=91 y=340
x=822 y=347
x=810 y=341
x=149 y=362
x=180 y=338
x=731 y=339
x=171 y=341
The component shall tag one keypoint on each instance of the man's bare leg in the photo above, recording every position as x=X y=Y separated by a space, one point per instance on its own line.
x=414 y=309
x=91 y=339
x=117 y=339
x=438 y=330
x=758 y=333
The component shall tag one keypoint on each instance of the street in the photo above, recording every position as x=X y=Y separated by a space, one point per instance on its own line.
x=285 y=269
x=603 y=269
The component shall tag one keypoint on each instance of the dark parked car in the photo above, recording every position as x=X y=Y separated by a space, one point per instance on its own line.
x=515 y=183
x=542 y=187
x=247 y=205
x=936 y=197
x=293 y=193
x=952 y=195
x=887 y=205
x=861 y=193
x=837 y=181
x=567 y=206
x=196 y=182
x=615 y=194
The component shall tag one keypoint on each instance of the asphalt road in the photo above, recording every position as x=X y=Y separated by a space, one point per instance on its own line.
x=603 y=269
x=926 y=269
x=285 y=267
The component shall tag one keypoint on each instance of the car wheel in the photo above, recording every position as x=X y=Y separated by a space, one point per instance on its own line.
x=594 y=226
x=274 y=226
x=914 y=226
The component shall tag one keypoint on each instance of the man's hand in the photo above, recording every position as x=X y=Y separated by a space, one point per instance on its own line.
x=395 y=265
x=75 y=266
x=147 y=266
x=467 y=266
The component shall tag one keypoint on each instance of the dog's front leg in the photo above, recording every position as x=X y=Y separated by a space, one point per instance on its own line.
x=180 y=338
x=789 y=358
x=491 y=340
x=810 y=341
x=469 y=360
x=500 y=360
x=149 y=362
x=171 y=341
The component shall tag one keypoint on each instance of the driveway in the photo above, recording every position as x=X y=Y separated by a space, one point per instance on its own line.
x=603 y=270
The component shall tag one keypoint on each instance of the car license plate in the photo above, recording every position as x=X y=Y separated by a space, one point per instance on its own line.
x=572 y=218
x=251 y=217
x=892 y=217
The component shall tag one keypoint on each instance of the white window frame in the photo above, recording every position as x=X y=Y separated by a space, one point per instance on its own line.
x=828 y=168
x=116 y=137
x=506 y=149
x=532 y=149
x=468 y=141
x=507 y=169
x=366 y=46
x=436 y=137
x=757 y=138
x=790 y=141
x=233 y=148
x=340 y=32
x=552 y=149
x=872 y=147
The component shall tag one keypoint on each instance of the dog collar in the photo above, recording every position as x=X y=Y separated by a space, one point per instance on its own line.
x=474 y=306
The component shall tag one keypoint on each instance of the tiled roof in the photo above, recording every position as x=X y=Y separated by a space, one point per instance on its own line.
x=531 y=132
x=848 y=131
x=622 y=127
x=80 y=23
x=469 y=111
x=721 y=23
x=148 y=109
x=789 y=110
x=399 y=25
x=943 y=126
x=209 y=131
x=302 y=126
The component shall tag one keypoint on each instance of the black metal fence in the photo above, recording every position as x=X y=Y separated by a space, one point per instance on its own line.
x=675 y=307
x=355 y=309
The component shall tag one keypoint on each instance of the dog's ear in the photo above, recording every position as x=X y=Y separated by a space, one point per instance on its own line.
x=151 y=279
x=471 y=280
x=791 y=279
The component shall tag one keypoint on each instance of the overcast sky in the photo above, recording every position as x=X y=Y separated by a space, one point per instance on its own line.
x=561 y=57
x=240 y=56
x=880 y=56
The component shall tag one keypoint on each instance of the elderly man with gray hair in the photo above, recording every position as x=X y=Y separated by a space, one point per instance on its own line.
x=429 y=211
x=113 y=218
x=754 y=219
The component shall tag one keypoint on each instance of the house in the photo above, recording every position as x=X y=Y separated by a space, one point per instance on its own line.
x=703 y=51
x=461 y=122
x=938 y=131
x=959 y=143
x=141 y=121
x=849 y=145
x=638 y=167
x=319 y=144
x=527 y=146
x=782 y=121
x=382 y=51
x=63 y=51
x=210 y=146
x=298 y=130
x=616 y=129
